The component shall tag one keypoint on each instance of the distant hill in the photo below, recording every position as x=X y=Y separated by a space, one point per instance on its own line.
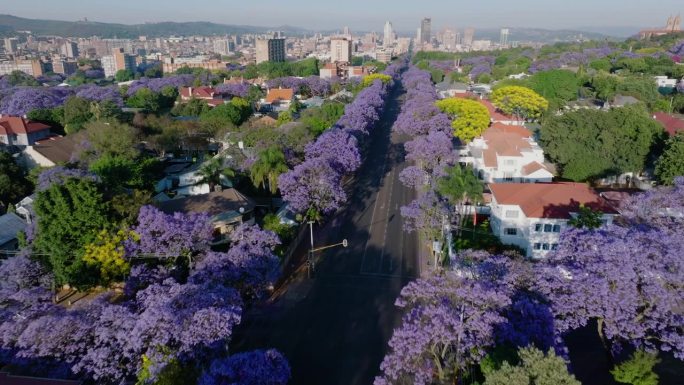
x=540 y=35
x=9 y=24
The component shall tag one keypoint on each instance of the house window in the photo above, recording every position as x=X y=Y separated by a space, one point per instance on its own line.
x=508 y=177
x=554 y=246
x=511 y=231
x=548 y=228
x=511 y=213
x=538 y=227
x=545 y=246
x=537 y=246
x=556 y=228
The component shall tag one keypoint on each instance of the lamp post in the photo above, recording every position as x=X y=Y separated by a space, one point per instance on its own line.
x=312 y=250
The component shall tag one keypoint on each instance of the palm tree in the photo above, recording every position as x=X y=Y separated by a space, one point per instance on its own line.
x=267 y=168
x=459 y=186
x=211 y=172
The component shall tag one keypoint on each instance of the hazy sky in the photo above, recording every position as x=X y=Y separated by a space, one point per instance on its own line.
x=360 y=14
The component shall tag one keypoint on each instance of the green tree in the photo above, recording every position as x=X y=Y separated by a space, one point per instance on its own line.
x=124 y=75
x=76 y=114
x=605 y=86
x=519 y=101
x=470 y=118
x=591 y=144
x=437 y=75
x=587 y=218
x=319 y=119
x=603 y=64
x=642 y=88
x=638 y=370
x=19 y=78
x=13 y=183
x=113 y=138
x=556 y=86
x=536 y=368
x=213 y=171
x=146 y=99
x=671 y=162
x=460 y=186
x=69 y=216
x=193 y=107
x=270 y=164
x=107 y=254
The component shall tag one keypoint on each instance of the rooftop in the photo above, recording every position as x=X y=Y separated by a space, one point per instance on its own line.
x=673 y=124
x=214 y=204
x=57 y=149
x=549 y=200
x=278 y=94
x=15 y=125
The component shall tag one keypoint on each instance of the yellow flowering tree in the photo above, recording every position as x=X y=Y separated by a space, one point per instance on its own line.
x=107 y=253
x=369 y=79
x=519 y=101
x=470 y=117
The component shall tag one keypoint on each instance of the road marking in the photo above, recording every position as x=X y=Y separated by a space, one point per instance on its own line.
x=384 y=236
x=370 y=227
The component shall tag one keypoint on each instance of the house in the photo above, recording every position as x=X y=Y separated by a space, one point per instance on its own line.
x=204 y=93
x=19 y=131
x=25 y=208
x=50 y=152
x=10 y=225
x=278 y=99
x=447 y=89
x=673 y=124
x=228 y=209
x=496 y=116
x=533 y=215
x=186 y=180
x=665 y=82
x=622 y=101
x=506 y=153
x=8 y=379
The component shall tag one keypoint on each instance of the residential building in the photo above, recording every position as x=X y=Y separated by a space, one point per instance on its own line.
x=64 y=67
x=383 y=55
x=272 y=50
x=174 y=64
x=388 y=36
x=19 y=131
x=278 y=99
x=448 y=89
x=108 y=65
x=533 y=215
x=224 y=47
x=468 y=36
x=50 y=152
x=10 y=225
x=426 y=30
x=665 y=82
x=70 y=49
x=227 y=208
x=340 y=50
x=124 y=61
x=31 y=67
x=506 y=153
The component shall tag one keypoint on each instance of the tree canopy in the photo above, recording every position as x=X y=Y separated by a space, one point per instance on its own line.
x=671 y=163
x=470 y=118
x=593 y=144
x=13 y=183
x=519 y=101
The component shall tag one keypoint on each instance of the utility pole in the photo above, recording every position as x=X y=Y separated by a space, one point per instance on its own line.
x=312 y=250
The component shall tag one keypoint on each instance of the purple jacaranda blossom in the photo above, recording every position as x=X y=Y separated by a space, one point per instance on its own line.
x=313 y=184
x=23 y=100
x=240 y=90
x=157 y=84
x=260 y=367
x=431 y=152
x=100 y=94
x=60 y=174
x=339 y=148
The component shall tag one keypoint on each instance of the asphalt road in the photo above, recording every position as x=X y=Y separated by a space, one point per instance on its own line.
x=334 y=328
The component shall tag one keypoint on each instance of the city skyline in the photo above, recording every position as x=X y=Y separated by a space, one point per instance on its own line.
x=581 y=14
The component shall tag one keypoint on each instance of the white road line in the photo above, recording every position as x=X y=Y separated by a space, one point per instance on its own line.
x=389 y=205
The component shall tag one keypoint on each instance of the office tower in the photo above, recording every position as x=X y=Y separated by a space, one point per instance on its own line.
x=419 y=38
x=468 y=35
x=346 y=31
x=426 y=30
x=388 y=38
x=503 y=40
x=270 y=50
x=449 y=39
x=70 y=49
x=11 y=45
x=224 y=46
x=340 y=50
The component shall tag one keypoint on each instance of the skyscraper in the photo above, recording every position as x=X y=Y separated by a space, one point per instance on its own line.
x=340 y=50
x=270 y=50
x=388 y=38
x=426 y=30
x=70 y=49
x=468 y=35
x=503 y=40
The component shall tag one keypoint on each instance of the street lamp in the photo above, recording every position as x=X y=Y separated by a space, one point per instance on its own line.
x=312 y=250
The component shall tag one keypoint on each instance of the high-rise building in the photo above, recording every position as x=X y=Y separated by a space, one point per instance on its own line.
x=503 y=40
x=118 y=60
x=270 y=50
x=70 y=49
x=11 y=45
x=346 y=31
x=419 y=37
x=426 y=30
x=224 y=46
x=388 y=38
x=340 y=50
x=468 y=35
x=449 y=39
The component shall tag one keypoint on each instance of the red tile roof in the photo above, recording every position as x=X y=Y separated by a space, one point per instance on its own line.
x=671 y=123
x=15 y=125
x=549 y=200
x=532 y=167
x=279 y=94
x=496 y=115
x=197 y=92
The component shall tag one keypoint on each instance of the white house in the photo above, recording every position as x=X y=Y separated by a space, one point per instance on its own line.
x=506 y=153
x=665 y=82
x=533 y=215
